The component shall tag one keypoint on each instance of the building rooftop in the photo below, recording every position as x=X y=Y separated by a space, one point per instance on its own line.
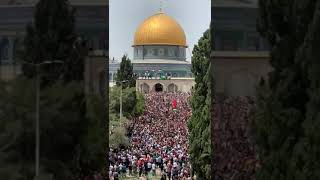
x=235 y=3
x=32 y=2
x=159 y=61
x=171 y=79
x=160 y=29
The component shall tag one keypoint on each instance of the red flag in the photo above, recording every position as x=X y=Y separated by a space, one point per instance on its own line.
x=174 y=104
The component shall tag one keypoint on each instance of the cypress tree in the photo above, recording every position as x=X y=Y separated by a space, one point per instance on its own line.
x=200 y=123
x=308 y=149
x=51 y=36
x=278 y=120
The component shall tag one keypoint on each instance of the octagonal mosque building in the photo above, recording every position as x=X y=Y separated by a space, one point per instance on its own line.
x=160 y=47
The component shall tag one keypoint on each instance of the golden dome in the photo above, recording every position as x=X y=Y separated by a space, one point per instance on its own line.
x=160 y=29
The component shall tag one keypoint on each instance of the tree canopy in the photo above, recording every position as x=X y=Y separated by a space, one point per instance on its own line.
x=125 y=73
x=200 y=123
x=70 y=144
x=132 y=102
x=286 y=115
x=51 y=37
x=73 y=129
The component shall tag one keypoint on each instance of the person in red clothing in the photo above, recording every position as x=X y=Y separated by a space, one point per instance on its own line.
x=174 y=103
x=140 y=165
x=148 y=135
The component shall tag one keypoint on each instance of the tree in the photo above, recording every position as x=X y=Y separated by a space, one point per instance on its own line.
x=132 y=102
x=308 y=148
x=93 y=146
x=50 y=37
x=15 y=159
x=70 y=144
x=73 y=132
x=212 y=94
x=118 y=138
x=139 y=106
x=125 y=72
x=58 y=112
x=278 y=123
x=200 y=123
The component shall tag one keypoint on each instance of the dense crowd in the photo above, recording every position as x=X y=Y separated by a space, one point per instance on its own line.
x=234 y=155
x=158 y=140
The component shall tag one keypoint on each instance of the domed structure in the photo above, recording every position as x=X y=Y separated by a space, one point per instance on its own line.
x=160 y=29
x=160 y=48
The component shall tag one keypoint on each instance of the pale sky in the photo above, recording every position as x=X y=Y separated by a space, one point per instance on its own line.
x=126 y=15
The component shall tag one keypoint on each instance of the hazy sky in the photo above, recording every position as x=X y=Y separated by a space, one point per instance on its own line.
x=126 y=15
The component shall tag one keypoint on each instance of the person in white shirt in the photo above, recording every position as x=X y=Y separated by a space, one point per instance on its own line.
x=149 y=165
x=120 y=167
x=110 y=174
x=174 y=164
x=153 y=169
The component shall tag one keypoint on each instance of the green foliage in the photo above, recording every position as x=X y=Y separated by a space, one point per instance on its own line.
x=91 y=154
x=132 y=105
x=200 y=123
x=73 y=132
x=132 y=101
x=70 y=144
x=139 y=107
x=284 y=121
x=16 y=129
x=125 y=73
x=309 y=148
x=118 y=138
x=51 y=36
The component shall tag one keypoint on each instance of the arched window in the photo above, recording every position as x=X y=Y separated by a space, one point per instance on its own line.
x=150 y=52
x=102 y=83
x=145 y=88
x=16 y=45
x=140 y=52
x=91 y=44
x=136 y=52
x=103 y=42
x=172 y=88
x=4 y=49
x=161 y=52
x=171 y=52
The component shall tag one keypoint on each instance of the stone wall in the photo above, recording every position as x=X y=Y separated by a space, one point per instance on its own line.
x=95 y=74
x=238 y=73
x=9 y=71
x=174 y=84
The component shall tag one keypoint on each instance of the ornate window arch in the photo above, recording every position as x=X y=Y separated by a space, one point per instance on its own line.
x=172 y=87
x=145 y=88
x=4 y=49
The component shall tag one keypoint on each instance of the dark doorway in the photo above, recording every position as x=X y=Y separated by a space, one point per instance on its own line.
x=158 y=87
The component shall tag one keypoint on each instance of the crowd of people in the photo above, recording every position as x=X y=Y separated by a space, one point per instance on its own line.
x=158 y=140
x=234 y=153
